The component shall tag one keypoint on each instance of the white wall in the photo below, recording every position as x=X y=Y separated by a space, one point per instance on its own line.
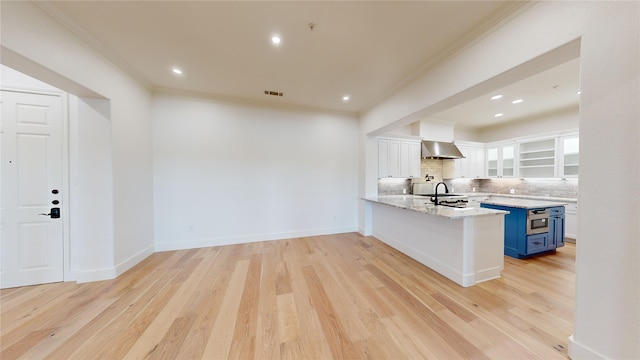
x=37 y=45
x=607 y=305
x=12 y=79
x=91 y=189
x=228 y=173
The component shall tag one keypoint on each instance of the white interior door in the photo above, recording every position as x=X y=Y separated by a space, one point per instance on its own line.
x=31 y=172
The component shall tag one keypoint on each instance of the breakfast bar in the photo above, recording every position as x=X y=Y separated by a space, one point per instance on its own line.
x=463 y=244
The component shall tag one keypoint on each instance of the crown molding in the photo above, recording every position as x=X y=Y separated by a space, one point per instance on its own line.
x=248 y=102
x=506 y=13
x=88 y=39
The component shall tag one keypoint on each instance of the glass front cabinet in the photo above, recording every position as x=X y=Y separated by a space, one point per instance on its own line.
x=501 y=160
x=569 y=148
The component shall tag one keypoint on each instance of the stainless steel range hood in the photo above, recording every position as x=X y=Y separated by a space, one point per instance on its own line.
x=440 y=150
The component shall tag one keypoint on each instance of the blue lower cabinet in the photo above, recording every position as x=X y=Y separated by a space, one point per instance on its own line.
x=537 y=243
x=518 y=244
x=556 y=227
x=515 y=230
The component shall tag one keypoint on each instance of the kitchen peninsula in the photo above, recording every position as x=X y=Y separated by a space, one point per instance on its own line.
x=466 y=245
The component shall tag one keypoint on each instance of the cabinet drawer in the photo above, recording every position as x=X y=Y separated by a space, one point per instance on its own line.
x=537 y=243
x=556 y=211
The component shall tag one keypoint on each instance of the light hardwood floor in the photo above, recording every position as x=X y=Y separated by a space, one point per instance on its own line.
x=339 y=296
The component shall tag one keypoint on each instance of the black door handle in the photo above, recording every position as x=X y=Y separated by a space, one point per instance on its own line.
x=55 y=213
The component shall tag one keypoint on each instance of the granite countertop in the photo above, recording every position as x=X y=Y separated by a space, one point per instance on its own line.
x=423 y=205
x=532 y=197
x=524 y=203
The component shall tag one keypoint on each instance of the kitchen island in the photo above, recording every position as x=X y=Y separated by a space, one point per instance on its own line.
x=463 y=244
x=524 y=203
x=532 y=227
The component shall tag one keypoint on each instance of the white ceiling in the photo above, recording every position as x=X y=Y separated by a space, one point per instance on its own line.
x=359 y=48
x=364 y=49
x=548 y=91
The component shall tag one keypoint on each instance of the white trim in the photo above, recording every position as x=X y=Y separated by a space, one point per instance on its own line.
x=579 y=351
x=109 y=273
x=96 y=275
x=88 y=39
x=67 y=273
x=208 y=242
x=400 y=137
x=133 y=260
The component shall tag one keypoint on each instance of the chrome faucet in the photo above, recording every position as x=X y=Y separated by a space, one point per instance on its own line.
x=435 y=190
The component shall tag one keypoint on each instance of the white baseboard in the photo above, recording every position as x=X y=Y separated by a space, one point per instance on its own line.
x=113 y=272
x=428 y=261
x=579 y=351
x=133 y=260
x=96 y=275
x=201 y=243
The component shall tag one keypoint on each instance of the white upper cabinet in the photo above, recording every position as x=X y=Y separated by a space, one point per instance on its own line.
x=501 y=160
x=472 y=166
x=410 y=158
x=538 y=158
x=549 y=156
x=569 y=149
x=398 y=158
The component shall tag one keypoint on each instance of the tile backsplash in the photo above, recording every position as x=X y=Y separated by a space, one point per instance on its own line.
x=433 y=168
x=394 y=186
x=566 y=188
x=535 y=187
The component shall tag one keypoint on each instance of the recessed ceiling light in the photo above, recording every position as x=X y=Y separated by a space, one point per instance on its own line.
x=275 y=40
x=518 y=101
x=498 y=115
x=176 y=71
x=345 y=98
x=496 y=97
x=578 y=93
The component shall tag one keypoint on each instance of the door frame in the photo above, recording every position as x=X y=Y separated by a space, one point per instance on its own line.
x=69 y=273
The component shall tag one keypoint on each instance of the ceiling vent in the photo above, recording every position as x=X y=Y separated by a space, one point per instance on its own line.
x=272 y=93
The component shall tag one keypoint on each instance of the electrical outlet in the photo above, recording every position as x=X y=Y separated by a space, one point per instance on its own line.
x=512 y=191
x=473 y=189
x=404 y=191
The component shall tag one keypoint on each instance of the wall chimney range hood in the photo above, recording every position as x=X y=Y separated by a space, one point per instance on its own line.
x=440 y=150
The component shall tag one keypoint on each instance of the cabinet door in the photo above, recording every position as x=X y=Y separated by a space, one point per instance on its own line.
x=410 y=159
x=570 y=156
x=476 y=163
x=571 y=221
x=559 y=231
x=462 y=165
x=492 y=162
x=508 y=160
x=383 y=158
x=537 y=243
x=556 y=227
x=501 y=161
x=388 y=158
x=394 y=159
x=552 y=239
x=415 y=153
